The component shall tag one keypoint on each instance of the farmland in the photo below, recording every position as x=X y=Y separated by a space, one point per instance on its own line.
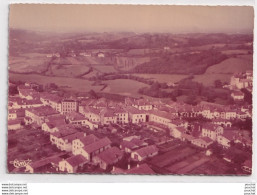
x=28 y=62
x=124 y=87
x=166 y=78
x=72 y=84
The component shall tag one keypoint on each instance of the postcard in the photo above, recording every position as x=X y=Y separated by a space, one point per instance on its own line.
x=130 y=89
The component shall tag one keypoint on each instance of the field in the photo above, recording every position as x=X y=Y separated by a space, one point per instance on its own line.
x=231 y=65
x=224 y=70
x=28 y=62
x=72 y=84
x=208 y=79
x=124 y=87
x=163 y=78
x=67 y=70
x=104 y=68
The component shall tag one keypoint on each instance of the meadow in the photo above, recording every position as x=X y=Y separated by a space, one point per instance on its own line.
x=163 y=78
x=124 y=87
x=71 y=84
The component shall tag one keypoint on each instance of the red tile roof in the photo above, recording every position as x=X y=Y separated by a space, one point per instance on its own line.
x=89 y=139
x=77 y=160
x=144 y=152
x=110 y=155
x=97 y=145
x=142 y=169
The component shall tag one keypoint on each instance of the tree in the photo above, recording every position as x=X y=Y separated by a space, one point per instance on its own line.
x=218 y=83
x=93 y=94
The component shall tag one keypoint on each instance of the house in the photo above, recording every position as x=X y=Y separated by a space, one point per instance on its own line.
x=16 y=113
x=145 y=152
x=69 y=106
x=62 y=132
x=142 y=104
x=39 y=114
x=24 y=103
x=108 y=116
x=14 y=124
x=247 y=166
x=108 y=157
x=237 y=95
x=91 y=150
x=177 y=132
x=136 y=116
x=52 y=126
x=72 y=164
x=129 y=145
x=52 y=123
x=100 y=55
x=222 y=122
x=226 y=138
x=203 y=142
x=212 y=131
x=92 y=114
x=81 y=142
x=160 y=117
x=27 y=93
x=142 y=169
x=187 y=137
x=122 y=115
x=76 y=118
x=46 y=165
x=65 y=142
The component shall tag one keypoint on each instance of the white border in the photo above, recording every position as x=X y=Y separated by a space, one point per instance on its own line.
x=4 y=177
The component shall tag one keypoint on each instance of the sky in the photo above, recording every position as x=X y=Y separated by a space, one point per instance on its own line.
x=132 y=18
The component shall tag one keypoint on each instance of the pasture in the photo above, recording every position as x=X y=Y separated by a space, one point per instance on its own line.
x=124 y=87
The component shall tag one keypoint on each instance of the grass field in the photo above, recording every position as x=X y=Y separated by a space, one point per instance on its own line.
x=232 y=65
x=104 y=69
x=28 y=62
x=67 y=70
x=208 y=79
x=73 y=84
x=163 y=78
x=124 y=87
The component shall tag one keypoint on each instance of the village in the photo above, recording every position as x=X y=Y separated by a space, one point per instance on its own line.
x=135 y=136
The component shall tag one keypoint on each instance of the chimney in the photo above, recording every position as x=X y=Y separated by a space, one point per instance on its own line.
x=137 y=165
x=113 y=168
x=128 y=166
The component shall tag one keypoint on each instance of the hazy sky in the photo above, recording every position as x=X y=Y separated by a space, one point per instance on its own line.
x=174 y=19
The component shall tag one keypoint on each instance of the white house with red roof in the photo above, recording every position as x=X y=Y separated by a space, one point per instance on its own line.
x=202 y=142
x=65 y=142
x=108 y=157
x=177 y=132
x=135 y=115
x=92 y=114
x=145 y=152
x=81 y=142
x=122 y=115
x=108 y=116
x=39 y=114
x=72 y=164
x=226 y=138
x=142 y=104
x=14 y=124
x=212 y=131
x=91 y=150
x=160 y=117
x=237 y=95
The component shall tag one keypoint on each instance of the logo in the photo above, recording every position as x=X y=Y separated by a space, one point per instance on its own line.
x=20 y=163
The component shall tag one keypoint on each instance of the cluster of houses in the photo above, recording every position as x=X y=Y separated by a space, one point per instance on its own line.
x=59 y=118
x=241 y=80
